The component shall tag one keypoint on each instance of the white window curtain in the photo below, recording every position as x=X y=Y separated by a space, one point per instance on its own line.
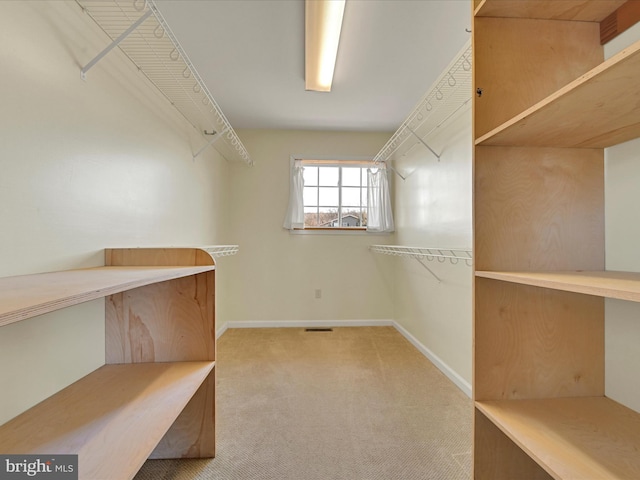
x=379 y=214
x=295 y=210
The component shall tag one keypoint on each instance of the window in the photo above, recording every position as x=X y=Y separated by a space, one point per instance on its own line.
x=339 y=195
x=335 y=195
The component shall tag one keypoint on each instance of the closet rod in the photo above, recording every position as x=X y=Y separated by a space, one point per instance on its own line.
x=453 y=255
x=221 y=250
x=140 y=31
x=447 y=95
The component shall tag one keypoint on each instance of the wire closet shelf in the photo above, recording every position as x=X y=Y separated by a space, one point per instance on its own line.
x=140 y=31
x=442 y=255
x=221 y=250
x=448 y=95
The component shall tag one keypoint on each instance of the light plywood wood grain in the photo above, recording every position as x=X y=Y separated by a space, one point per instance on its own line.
x=533 y=342
x=548 y=105
x=26 y=296
x=573 y=438
x=598 y=110
x=192 y=435
x=157 y=256
x=620 y=285
x=579 y=10
x=519 y=62
x=168 y=321
x=498 y=458
x=538 y=209
x=112 y=418
x=619 y=21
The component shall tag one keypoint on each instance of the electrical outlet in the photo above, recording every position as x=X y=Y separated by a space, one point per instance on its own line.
x=318 y=293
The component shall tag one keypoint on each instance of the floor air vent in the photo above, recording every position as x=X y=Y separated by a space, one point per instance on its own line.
x=318 y=329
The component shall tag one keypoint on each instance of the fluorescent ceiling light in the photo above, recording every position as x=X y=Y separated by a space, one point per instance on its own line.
x=323 y=22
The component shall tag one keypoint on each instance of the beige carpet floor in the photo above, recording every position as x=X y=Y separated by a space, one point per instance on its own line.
x=355 y=403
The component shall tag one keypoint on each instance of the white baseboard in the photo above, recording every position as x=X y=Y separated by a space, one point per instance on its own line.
x=221 y=330
x=303 y=324
x=451 y=374
x=460 y=382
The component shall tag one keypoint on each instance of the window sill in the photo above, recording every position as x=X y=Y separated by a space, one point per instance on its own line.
x=335 y=231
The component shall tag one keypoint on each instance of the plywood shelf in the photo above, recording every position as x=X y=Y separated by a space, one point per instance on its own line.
x=547 y=104
x=572 y=438
x=156 y=395
x=113 y=418
x=610 y=284
x=579 y=10
x=26 y=296
x=597 y=110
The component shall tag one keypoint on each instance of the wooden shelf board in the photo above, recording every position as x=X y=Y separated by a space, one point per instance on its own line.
x=27 y=296
x=597 y=110
x=610 y=284
x=571 y=438
x=112 y=418
x=578 y=10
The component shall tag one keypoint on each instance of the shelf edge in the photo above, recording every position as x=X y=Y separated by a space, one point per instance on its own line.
x=537 y=279
x=548 y=102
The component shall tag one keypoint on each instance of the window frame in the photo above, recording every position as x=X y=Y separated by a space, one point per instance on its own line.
x=314 y=160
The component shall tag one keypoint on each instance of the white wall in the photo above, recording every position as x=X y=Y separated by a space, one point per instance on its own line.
x=622 y=235
x=274 y=277
x=622 y=325
x=107 y=162
x=433 y=209
x=276 y=273
x=85 y=165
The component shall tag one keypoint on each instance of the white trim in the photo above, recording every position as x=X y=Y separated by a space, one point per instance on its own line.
x=324 y=160
x=451 y=374
x=339 y=162
x=307 y=323
x=221 y=330
x=313 y=231
x=460 y=382
x=351 y=158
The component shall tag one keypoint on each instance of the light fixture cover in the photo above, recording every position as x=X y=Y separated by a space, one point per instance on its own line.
x=323 y=23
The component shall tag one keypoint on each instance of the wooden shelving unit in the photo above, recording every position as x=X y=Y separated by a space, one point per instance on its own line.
x=620 y=285
x=548 y=107
x=582 y=11
x=589 y=112
x=155 y=396
x=26 y=296
x=117 y=412
x=554 y=433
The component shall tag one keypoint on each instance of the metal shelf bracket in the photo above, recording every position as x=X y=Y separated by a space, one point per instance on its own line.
x=445 y=98
x=396 y=172
x=423 y=142
x=142 y=34
x=421 y=262
x=114 y=44
x=216 y=136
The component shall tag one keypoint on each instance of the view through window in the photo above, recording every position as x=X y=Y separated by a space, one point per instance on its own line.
x=335 y=196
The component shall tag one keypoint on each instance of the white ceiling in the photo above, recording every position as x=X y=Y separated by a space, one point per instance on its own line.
x=250 y=54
